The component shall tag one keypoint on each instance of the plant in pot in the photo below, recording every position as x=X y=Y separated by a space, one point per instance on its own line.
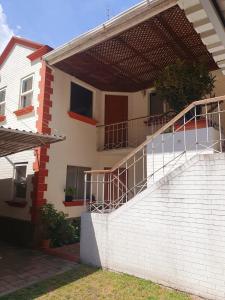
x=184 y=82
x=69 y=193
x=49 y=217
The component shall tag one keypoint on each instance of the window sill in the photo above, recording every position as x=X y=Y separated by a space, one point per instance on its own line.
x=2 y=118
x=24 y=111
x=81 y=118
x=74 y=203
x=20 y=204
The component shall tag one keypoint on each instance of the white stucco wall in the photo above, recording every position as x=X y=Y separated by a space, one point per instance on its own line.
x=172 y=234
x=79 y=148
x=16 y=67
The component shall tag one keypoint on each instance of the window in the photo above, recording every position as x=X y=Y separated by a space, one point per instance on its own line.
x=81 y=100
x=156 y=105
x=2 y=101
x=75 y=179
x=26 y=95
x=20 y=181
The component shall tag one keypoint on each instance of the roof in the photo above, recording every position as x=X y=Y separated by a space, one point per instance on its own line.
x=24 y=42
x=15 y=140
x=150 y=36
x=117 y=24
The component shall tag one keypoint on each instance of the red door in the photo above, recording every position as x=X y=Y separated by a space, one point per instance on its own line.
x=116 y=115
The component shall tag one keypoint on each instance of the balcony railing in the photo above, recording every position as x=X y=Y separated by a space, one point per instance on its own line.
x=130 y=133
x=197 y=129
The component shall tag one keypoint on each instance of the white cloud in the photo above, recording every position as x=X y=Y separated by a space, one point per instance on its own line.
x=5 y=31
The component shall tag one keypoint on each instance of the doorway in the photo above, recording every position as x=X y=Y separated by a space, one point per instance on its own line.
x=116 y=115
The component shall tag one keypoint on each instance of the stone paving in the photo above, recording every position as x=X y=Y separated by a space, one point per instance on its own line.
x=21 y=267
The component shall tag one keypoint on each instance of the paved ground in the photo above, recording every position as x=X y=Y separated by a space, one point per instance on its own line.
x=69 y=252
x=21 y=267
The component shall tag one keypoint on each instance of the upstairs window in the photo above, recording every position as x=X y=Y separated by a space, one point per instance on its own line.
x=81 y=100
x=156 y=105
x=26 y=95
x=75 y=180
x=2 y=101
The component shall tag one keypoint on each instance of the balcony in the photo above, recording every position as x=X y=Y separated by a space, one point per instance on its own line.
x=130 y=133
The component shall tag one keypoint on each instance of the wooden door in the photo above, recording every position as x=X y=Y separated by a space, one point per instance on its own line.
x=116 y=113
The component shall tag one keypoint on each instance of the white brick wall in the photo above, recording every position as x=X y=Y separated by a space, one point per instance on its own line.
x=173 y=233
x=16 y=67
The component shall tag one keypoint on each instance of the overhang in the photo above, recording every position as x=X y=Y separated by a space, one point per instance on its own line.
x=130 y=60
x=14 y=140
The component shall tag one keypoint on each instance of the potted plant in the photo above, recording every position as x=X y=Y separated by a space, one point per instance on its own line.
x=184 y=82
x=57 y=229
x=69 y=194
x=49 y=218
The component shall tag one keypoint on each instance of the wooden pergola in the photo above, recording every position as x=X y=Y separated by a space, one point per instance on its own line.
x=14 y=140
x=131 y=60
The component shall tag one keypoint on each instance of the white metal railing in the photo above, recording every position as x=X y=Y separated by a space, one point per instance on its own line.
x=197 y=129
x=130 y=133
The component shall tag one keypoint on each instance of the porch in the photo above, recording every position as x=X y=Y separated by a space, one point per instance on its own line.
x=121 y=60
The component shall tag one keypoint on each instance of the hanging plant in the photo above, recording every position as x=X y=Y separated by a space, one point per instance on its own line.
x=184 y=82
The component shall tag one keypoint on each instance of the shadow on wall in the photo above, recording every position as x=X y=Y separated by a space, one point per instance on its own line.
x=6 y=186
x=12 y=230
x=89 y=250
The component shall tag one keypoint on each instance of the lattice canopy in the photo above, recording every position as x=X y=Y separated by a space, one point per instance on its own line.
x=131 y=60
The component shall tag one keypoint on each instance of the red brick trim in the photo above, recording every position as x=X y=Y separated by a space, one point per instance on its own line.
x=20 y=41
x=2 y=118
x=24 y=111
x=42 y=125
x=81 y=118
x=191 y=125
x=39 y=53
x=20 y=204
x=74 y=203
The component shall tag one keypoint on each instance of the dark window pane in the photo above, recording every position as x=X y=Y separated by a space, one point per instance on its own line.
x=81 y=100
x=75 y=179
x=156 y=105
x=20 y=182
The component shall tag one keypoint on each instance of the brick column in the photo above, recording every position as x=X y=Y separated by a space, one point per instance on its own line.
x=42 y=158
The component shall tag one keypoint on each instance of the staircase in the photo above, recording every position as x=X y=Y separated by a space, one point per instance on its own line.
x=198 y=129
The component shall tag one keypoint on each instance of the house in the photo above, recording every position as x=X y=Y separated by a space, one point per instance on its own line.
x=98 y=91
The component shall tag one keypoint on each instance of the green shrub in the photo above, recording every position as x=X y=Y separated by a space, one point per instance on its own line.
x=57 y=227
x=184 y=82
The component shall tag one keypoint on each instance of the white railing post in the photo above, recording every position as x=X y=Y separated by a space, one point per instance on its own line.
x=220 y=129
x=85 y=191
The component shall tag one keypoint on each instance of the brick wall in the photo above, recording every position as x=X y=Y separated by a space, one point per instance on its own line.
x=173 y=233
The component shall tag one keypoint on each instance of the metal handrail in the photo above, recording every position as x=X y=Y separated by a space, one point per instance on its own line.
x=157 y=156
x=158 y=132
x=139 y=118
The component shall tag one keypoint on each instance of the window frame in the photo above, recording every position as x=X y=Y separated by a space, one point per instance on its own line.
x=27 y=92
x=3 y=102
x=92 y=100
x=76 y=197
x=149 y=104
x=15 y=197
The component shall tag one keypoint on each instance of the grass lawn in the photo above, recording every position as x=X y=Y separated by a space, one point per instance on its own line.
x=90 y=284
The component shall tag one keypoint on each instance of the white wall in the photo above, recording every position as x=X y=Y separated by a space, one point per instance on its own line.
x=79 y=148
x=172 y=234
x=16 y=67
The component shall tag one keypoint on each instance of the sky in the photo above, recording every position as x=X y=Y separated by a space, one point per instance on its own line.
x=54 y=22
